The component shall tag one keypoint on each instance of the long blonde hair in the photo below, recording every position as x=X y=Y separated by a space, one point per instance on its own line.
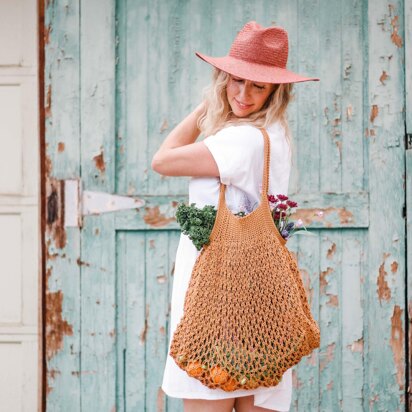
x=217 y=114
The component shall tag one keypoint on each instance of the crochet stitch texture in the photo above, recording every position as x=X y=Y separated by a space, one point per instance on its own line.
x=246 y=315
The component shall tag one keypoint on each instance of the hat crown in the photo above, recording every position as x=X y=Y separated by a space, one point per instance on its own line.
x=257 y=44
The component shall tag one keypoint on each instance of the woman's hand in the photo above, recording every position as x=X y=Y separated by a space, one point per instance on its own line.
x=178 y=155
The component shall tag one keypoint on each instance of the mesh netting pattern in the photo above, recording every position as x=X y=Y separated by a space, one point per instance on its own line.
x=246 y=316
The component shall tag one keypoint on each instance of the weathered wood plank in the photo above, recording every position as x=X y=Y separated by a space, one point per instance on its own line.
x=98 y=281
x=132 y=253
x=408 y=163
x=330 y=351
x=351 y=304
x=385 y=349
x=172 y=404
x=62 y=248
x=306 y=379
x=157 y=306
x=317 y=211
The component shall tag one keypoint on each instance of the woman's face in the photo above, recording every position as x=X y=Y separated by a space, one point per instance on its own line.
x=246 y=97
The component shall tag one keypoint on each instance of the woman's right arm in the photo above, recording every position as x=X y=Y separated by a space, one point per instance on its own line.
x=178 y=155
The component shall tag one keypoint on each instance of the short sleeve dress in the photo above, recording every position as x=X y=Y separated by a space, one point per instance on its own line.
x=238 y=152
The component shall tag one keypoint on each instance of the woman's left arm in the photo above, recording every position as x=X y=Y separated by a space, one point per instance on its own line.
x=179 y=155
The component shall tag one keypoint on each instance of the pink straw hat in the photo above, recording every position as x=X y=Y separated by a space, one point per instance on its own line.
x=258 y=54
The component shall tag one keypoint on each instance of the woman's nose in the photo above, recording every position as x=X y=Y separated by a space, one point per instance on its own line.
x=245 y=89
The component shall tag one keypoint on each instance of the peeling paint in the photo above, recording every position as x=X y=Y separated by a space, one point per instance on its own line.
x=296 y=382
x=395 y=38
x=309 y=216
x=394 y=266
x=99 y=161
x=349 y=112
x=383 y=77
x=374 y=113
x=55 y=212
x=56 y=326
x=160 y=400
x=60 y=147
x=47 y=107
x=333 y=300
x=327 y=357
x=152 y=243
x=46 y=34
x=357 y=345
x=383 y=289
x=144 y=331
x=323 y=283
x=161 y=279
x=154 y=218
x=51 y=375
x=396 y=342
x=331 y=251
x=82 y=263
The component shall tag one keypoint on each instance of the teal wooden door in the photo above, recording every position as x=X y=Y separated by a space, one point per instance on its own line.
x=118 y=76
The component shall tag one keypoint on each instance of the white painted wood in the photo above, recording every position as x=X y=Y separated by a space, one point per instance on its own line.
x=19 y=207
x=10 y=273
x=18 y=39
x=10 y=138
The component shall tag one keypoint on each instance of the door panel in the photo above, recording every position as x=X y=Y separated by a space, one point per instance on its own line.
x=133 y=76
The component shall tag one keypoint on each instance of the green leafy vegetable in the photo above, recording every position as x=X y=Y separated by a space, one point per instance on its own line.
x=196 y=223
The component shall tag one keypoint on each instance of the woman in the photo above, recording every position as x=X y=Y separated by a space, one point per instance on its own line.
x=251 y=88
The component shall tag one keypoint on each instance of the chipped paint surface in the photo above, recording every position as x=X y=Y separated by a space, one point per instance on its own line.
x=397 y=345
x=56 y=326
x=99 y=162
x=155 y=218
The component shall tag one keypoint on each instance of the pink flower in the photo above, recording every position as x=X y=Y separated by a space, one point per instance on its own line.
x=272 y=199
x=291 y=203
x=282 y=197
x=282 y=206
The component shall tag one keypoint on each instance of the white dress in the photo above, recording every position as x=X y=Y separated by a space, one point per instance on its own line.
x=238 y=152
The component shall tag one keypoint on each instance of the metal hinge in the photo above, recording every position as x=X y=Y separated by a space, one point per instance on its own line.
x=79 y=203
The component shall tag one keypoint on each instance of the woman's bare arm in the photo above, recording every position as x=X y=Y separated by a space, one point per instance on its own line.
x=179 y=155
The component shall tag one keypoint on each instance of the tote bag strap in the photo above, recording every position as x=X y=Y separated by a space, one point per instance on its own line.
x=265 y=178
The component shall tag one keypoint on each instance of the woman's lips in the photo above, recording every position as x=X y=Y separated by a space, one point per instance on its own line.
x=243 y=106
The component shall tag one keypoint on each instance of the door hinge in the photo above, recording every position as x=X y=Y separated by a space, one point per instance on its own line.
x=79 y=203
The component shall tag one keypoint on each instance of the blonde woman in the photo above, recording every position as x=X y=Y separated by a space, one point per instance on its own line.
x=251 y=88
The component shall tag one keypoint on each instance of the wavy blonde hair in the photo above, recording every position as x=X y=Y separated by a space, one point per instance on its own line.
x=218 y=114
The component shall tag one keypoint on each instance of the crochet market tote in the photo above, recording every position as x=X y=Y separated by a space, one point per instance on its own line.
x=246 y=316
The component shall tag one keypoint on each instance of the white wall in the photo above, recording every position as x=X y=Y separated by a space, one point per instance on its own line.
x=19 y=206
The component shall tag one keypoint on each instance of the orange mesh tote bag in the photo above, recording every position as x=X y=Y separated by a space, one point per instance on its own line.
x=246 y=316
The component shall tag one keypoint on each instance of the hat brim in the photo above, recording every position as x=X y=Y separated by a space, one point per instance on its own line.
x=254 y=71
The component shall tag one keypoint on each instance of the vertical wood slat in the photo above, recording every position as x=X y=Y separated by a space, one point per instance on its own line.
x=407 y=13
x=157 y=310
x=408 y=162
x=384 y=350
x=62 y=247
x=136 y=140
x=306 y=375
x=132 y=252
x=330 y=351
x=98 y=283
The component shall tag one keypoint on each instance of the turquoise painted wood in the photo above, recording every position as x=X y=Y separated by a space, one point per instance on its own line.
x=119 y=76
